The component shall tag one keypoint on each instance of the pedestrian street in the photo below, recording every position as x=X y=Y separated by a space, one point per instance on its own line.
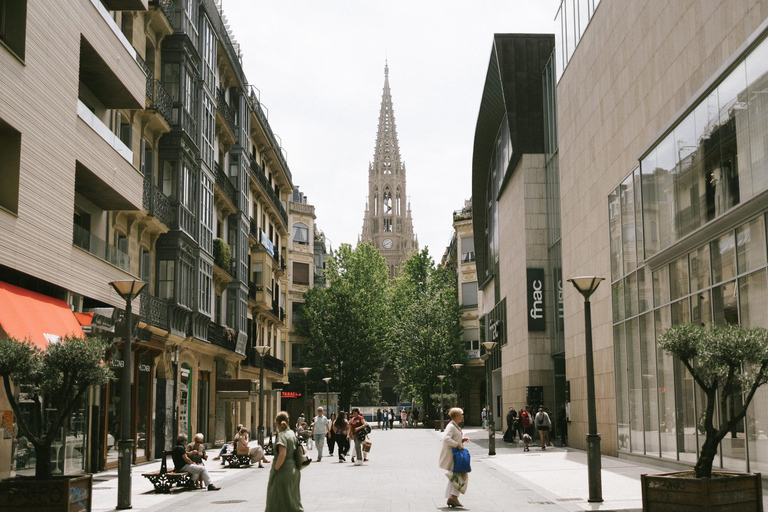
x=402 y=475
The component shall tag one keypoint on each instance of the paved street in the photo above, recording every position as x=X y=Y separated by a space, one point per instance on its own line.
x=402 y=475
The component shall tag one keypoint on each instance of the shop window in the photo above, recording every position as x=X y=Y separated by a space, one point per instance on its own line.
x=10 y=163
x=13 y=25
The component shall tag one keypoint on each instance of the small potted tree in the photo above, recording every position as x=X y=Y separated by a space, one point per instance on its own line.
x=56 y=378
x=727 y=363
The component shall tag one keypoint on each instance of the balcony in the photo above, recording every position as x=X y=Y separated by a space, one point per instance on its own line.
x=253 y=230
x=257 y=109
x=222 y=336
x=226 y=186
x=258 y=175
x=84 y=113
x=154 y=310
x=271 y=363
x=167 y=7
x=225 y=115
x=156 y=203
x=87 y=241
x=463 y=214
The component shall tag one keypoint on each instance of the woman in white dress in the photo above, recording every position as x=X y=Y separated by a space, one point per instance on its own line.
x=453 y=438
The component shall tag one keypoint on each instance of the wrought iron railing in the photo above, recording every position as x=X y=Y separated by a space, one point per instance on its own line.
x=261 y=116
x=254 y=230
x=156 y=203
x=224 y=183
x=154 y=310
x=167 y=7
x=271 y=363
x=222 y=336
x=226 y=111
x=150 y=76
x=463 y=214
x=261 y=178
x=162 y=101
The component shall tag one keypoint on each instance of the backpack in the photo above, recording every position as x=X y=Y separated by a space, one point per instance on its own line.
x=526 y=419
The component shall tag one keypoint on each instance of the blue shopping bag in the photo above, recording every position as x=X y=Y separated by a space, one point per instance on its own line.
x=461 y=461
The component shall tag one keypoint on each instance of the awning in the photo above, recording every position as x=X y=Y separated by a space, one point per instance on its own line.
x=37 y=317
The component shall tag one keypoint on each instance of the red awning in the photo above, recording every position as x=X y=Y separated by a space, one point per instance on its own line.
x=40 y=318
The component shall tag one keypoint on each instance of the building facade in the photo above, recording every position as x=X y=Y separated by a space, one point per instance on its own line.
x=387 y=224
x=158 y=164
x=459 y=257
x=663 y=187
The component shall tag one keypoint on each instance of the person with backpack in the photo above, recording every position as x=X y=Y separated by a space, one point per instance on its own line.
x=543 y=424
x=526 y=422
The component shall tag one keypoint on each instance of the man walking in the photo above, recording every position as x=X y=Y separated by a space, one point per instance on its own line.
x=319 y=432
x=182 y=462
x=356 y=424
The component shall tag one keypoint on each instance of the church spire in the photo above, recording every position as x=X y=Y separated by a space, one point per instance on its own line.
x=386 y=155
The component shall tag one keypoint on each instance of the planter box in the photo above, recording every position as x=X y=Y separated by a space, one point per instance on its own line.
x=59 y=494
x=680 y=492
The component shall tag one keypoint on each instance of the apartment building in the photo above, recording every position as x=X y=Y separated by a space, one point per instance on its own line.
x=135 y=148
x=459 y=257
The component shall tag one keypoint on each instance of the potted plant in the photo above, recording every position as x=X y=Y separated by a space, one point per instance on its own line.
x=729 y=364
x=55 y=378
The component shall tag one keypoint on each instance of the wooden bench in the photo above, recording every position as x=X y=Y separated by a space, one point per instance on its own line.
x=163 y=480
x=235 y=460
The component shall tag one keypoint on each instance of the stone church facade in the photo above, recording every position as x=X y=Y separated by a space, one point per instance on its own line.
x=388 y=224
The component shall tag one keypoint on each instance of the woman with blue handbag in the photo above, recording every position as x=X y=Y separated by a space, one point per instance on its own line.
x=454 y=458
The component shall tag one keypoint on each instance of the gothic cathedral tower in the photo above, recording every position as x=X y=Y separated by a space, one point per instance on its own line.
x=387 y=224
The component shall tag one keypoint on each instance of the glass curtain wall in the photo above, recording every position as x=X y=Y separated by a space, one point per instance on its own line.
x=714 y=159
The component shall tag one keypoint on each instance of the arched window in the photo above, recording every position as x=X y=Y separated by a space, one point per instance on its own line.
x=300 y=233
x=387 y=202
x=375 y=201
x=397 y=203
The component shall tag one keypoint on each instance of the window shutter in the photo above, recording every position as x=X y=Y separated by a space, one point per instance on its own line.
x=301 y=273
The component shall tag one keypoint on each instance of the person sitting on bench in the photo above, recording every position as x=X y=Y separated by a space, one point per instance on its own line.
x=256 y=452
x=182 y=462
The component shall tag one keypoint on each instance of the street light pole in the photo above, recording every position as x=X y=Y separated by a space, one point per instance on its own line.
x=586 y=286
x=306 y=369
x=327 y=395
x=440 y=412
x=489 y=346
x=262 y=350
x=457 y=367
x=128 y=290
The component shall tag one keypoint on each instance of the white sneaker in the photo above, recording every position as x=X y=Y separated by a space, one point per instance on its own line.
x=358 y=463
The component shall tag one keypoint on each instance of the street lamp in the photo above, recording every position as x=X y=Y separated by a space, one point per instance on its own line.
x=587 y=286
x=457 y=367
x=327 y=395
x=489 y=346
x=440 y=412
x=128 y=290
x=306 y=369
x=262 y=350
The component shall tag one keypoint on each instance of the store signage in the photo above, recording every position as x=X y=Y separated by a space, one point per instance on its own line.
x=290 y=394
x=536 y=321
x=496 y=331
x=144 y=368
x=116 y=363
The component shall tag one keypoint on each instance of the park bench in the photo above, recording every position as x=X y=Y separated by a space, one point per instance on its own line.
x=236 y=460
x=163 y=480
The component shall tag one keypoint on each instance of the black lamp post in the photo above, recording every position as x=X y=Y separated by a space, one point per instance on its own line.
x=262 y=350
x=306 y=369
x=440 y=411
x=587 y=286
x=128 y=290
x=327 y=380
x=457 y=367
x=489 y=346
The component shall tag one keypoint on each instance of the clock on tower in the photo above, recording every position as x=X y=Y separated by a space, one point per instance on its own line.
x=387 y=243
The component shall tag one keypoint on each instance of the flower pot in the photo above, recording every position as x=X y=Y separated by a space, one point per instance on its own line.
x=59 y=494
x=682 y=492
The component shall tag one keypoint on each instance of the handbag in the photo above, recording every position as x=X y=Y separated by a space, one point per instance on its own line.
x=363 y=433
x=367 y=445
x=461 y=461
x=301 y=457
x=242 y=450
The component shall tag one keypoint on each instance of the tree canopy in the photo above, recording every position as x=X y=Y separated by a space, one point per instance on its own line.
x=346 y=322
x=425 y=333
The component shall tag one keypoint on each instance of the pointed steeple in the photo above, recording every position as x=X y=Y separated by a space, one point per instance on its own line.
x=386 y=155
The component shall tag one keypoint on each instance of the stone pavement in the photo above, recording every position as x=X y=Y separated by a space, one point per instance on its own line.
x=402 y=475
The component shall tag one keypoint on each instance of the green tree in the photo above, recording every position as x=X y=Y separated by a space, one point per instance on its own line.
x=425 y=334
x=727 y=362
x=346 y=322
x=57 y=377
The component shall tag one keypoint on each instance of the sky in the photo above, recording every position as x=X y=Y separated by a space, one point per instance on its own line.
x=319 y=67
